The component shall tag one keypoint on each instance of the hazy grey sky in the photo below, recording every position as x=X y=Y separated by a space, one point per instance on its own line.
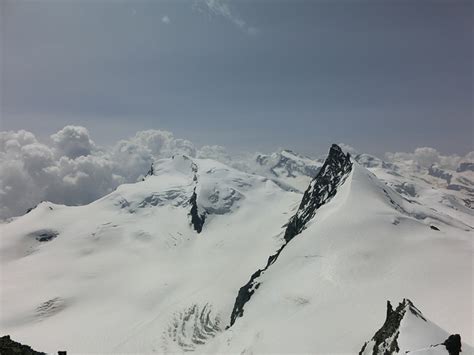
x=254 y=75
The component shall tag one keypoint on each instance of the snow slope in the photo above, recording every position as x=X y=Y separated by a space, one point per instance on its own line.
x=364 y=246
x=287 y=168
x=156 y=266
x=447 y=191
x=121 y=270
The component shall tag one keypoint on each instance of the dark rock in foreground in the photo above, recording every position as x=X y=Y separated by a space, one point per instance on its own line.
x=10 y=347
x=385 y=340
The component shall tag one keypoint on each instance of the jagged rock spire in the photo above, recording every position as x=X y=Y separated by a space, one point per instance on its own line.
x=385 y=340
x=197 y=219
x=322 y=188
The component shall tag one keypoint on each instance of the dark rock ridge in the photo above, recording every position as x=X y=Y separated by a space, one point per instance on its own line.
x=150 y=172
x=10 y=347
x=32 y=208
x=465 y=166
x=440 y=173
x=385 y=340
x=320 y=191
x=197 y=219
x=386 y=337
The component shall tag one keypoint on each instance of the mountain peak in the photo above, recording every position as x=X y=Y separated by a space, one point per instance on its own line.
x=406 y=330
x=321 y=189
x=335 y=147
x=337 y=153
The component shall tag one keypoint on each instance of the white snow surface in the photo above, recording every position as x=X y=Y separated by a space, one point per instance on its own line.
x=288 y=169
x=324 y=292
x=127 y=269
x=117 y=272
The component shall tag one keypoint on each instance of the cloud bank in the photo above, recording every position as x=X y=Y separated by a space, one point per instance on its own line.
x=73 y=170
x=425 y=157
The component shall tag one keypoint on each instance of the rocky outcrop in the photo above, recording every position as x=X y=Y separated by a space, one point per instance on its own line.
x=440 y=173
x=287 y=163
x=386 y=339
x=10 y=347
x=150 y=172
x=197 y=219
x=44 y=235
x=465 y=166
x=320 y=191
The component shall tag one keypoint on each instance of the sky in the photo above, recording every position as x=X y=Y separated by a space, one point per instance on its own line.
x=381 y=75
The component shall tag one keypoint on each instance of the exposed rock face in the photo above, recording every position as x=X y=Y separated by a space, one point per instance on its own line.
x=453 y=344
x=150 y=172
x=386 y=337
x=465 y=166
x=320 y=191
x=385 y=340
x=405 y=188
x=10 y=347
x=44 y=235
x=440 y=173
x=197 y=219
x=288 y=163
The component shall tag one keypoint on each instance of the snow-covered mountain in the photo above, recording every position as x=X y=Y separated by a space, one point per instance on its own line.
x=288 y=169
x=133 y=263
x=450 y=191
x=446 y=190
x=202 y=257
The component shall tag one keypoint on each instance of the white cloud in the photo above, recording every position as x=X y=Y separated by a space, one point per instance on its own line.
x=222 y=8
x=216 y=152
x=348 y=149
x=73 y=141
x=165 y=19
x=425 y=157
x=73 y=170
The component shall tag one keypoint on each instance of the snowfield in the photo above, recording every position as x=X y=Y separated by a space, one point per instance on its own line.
x=150 y=268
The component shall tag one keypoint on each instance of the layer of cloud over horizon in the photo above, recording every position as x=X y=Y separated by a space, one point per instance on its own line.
x=74 y=170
